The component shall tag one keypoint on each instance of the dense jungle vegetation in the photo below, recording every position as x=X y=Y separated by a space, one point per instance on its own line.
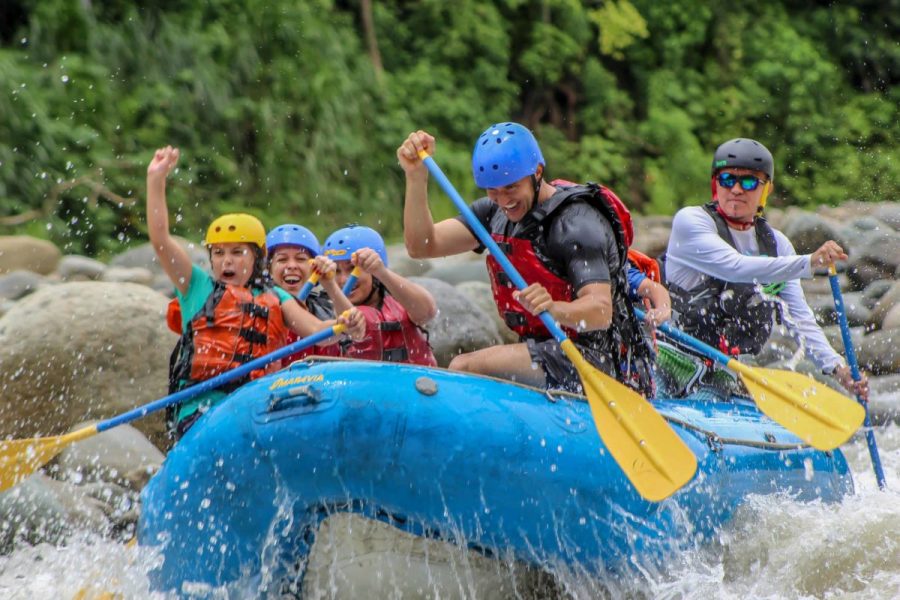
x=293 y=109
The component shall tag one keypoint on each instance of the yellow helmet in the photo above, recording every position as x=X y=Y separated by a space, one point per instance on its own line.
x=237 y=227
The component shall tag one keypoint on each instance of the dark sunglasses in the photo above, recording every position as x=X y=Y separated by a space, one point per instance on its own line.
x=748 y=182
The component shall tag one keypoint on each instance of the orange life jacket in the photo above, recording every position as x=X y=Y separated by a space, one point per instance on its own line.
x=233 y=328
x=646 y=265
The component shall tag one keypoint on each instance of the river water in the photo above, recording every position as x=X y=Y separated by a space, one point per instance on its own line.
x=776 y=548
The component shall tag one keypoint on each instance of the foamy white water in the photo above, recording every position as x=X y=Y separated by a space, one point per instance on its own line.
x=776 y=548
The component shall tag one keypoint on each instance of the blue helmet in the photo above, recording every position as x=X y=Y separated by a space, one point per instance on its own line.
x=504 y=154
x=341 y=244
x=293 y=235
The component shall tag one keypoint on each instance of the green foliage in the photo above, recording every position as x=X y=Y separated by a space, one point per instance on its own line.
x=279 y=110
x=621 y=25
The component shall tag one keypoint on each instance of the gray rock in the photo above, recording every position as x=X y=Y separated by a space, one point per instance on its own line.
x=889 y=212
x=652 y=237
x=80 y=268
x=41 y=510
x=18 y=284
x=780 y=347
x=833 y=334
x=25 y=253
x=480 y=293
x=456 y=272
x=884 y=305
x=892 y=319
x=138 y=275
x=884 y=399
x=879 y=352
x=823 y=308
x=80 y=351
x=460 y=326
x=809 y=231
x=879 y=258
x=111 y=456
x=402 y=264
x=31 y=513
x=144 y=256
x=874 y=291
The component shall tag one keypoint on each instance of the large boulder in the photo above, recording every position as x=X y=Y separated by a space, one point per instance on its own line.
x=460 y=325
x=808 y=231
x=884 y=304
x=43 y=510
x=651 y=234
x=878 y=258
x=480 y=293
x=879 y=352
x=401 y=263
x=144 y=256
x=79 y=351
x=457 y=269
x=889 y=212
x=19 y=284
x=121 y=455
x=74 y=267
x=23 y=252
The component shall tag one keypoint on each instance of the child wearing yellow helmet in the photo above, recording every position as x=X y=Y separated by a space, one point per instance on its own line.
x=232 y=316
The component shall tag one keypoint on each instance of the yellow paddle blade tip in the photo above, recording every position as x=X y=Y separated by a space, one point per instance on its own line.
x=817 y=414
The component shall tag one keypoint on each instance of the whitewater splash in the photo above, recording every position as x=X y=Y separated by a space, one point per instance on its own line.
x=775 y=548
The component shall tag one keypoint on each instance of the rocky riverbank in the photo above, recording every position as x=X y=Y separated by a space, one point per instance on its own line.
x=85 y=340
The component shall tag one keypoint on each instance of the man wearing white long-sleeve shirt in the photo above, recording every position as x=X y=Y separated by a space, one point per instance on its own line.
x=725 y=264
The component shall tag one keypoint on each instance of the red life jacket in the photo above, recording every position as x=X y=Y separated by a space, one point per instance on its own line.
x=522 y=255
x=391 y=336
x=233 y=328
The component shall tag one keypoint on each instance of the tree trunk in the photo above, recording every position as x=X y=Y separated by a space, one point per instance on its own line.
x=368 y=21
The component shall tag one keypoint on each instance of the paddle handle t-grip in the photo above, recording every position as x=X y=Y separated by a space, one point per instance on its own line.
x=308 y=286
x=854 y=372
x=351 y=281
x=485 y=238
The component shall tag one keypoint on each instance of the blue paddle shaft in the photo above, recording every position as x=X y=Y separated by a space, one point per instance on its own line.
x=214 y=382
x=485 y=238
x=348 y=285
x=854 y=371
x=690 y=341
x=305 y=290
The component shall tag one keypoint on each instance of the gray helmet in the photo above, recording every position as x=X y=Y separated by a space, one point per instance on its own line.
x=744 y=153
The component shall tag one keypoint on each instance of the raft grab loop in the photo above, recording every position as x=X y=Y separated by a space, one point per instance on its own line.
x=304 y=395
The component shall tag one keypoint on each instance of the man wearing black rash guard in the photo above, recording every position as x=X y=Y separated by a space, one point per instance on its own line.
x=568 y=242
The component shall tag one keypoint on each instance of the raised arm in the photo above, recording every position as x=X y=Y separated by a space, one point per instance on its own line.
x=423 y=237
x=172 y=257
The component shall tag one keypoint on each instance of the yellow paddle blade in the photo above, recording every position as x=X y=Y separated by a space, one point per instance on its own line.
x=817 y=414
x=21 y=458
x=656 y=461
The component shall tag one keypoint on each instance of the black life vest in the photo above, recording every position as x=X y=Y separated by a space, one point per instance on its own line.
x=733 y=317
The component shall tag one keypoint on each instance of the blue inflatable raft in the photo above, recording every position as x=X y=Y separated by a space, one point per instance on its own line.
x=495 y=466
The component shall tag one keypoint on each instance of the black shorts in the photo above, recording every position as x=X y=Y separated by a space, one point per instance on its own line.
x=559 y=371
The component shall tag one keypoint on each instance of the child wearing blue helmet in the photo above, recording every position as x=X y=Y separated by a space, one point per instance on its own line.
x=394 y=307
x=294 y=255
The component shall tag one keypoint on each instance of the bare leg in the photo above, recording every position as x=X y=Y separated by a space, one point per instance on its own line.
x=512 y=362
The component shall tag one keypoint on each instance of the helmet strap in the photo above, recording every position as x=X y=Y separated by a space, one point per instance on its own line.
x=536 y=183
